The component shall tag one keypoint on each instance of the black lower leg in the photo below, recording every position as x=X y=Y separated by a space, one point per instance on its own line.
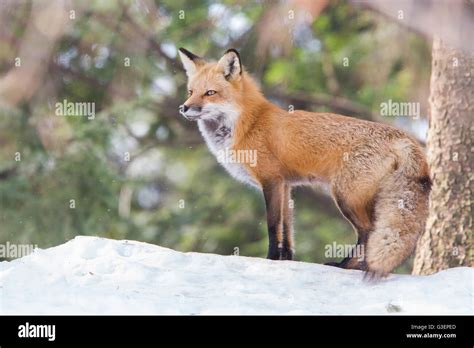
x=273 y=250
x=272 y=192
x=355 y=260
x=287 y=252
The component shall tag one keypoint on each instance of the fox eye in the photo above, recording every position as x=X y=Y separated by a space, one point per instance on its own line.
x=210 y=92
x=190 y=93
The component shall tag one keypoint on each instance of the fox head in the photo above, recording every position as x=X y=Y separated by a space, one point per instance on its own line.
x=214 y=88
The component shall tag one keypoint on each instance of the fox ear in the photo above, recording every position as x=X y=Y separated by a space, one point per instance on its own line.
x=191 y=62
x=230 y=63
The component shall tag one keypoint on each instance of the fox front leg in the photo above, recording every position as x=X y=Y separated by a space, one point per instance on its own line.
x=288 y=251
x=273 y=193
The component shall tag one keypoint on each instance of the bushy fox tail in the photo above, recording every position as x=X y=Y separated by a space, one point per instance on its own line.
x=400 y=211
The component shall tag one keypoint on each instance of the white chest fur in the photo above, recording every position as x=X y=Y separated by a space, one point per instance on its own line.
x=218 y=133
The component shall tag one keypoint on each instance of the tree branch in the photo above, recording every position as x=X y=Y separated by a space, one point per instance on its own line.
x=338 y=104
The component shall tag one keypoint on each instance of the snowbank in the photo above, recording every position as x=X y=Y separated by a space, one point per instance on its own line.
x=90 y=275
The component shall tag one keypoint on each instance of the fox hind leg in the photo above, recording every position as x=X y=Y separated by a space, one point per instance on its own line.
x=360 y=216
x=355 y=260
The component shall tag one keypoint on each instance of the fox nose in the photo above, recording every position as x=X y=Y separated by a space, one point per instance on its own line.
x=184 y=108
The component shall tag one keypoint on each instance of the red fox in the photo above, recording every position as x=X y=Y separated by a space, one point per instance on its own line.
x=377 y=175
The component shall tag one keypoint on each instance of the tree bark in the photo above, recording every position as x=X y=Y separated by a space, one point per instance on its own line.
x=447 y=240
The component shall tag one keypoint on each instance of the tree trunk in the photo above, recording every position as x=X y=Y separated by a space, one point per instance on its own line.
x=447 y=240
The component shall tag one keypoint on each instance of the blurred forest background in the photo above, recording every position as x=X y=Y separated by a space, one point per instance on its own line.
x=139 y=170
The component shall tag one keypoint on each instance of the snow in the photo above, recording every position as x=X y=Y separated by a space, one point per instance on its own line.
x=90 y=275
